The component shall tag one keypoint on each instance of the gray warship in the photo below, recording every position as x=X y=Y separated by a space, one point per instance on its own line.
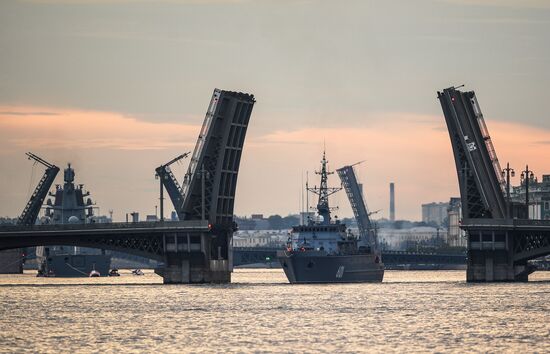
x=71 y=205
x=324 y=250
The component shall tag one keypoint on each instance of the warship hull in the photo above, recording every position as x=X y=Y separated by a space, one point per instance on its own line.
x=318 y=267
x=79 y=265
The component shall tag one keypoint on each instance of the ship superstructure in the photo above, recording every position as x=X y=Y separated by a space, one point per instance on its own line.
x=71 y=205
x=324 y=250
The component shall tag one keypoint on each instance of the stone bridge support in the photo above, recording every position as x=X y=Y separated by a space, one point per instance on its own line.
x=196 y=258
x=499 y=250
x=495 y=266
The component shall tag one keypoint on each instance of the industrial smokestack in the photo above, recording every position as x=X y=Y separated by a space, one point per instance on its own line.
x=392 y=201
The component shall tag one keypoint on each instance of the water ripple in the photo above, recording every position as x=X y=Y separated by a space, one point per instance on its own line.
x=260 y=312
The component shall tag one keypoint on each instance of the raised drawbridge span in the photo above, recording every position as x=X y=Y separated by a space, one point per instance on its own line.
x=359 y=207
x=196 y=249
x=501 y=238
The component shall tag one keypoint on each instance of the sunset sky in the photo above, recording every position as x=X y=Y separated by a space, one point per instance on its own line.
x=117 y=87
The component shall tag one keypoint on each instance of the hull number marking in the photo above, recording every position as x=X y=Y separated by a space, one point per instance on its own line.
x=340 y=272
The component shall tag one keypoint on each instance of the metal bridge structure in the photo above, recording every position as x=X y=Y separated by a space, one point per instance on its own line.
x=501 y=238
x=170 y=182
x=11 y=261
x=196 y=249
x=30 y=213
x=359 y=207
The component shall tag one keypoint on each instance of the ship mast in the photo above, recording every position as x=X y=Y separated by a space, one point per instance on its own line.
x=324 y=191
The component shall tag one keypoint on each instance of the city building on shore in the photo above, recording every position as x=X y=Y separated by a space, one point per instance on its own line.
x=456 y=237
x=435 y=213
x=260 y=238
x=407 y=239
x=539 y=196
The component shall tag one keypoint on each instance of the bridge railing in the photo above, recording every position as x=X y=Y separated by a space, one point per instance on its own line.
x=387 y=252
x=191 y=224
x=504 y=223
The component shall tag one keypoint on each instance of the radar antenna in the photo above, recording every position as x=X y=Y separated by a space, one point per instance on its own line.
x=324 y=191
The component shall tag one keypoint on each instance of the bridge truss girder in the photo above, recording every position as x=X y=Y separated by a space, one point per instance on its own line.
x=499 y=245
x=147 y=246
x=358 y=206
x=531 y=245
x=32 y=209
x=477 y=166
x=143 y=239
x=211 y=180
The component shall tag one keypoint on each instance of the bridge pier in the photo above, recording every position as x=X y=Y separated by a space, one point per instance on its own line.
x=497 y=272
x=181 y=271
x=492 y=255
x=489 y=268
x=175 y=273
x=196 y=258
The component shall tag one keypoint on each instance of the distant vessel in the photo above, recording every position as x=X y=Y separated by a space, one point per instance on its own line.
x=325 y=251
x=69 y=207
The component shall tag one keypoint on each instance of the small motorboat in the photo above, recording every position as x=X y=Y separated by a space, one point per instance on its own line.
x=114 y=273
x=94 y=273
x=137 y=272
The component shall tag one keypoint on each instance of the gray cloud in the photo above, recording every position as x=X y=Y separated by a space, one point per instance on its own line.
x=16 y=113
x=544 y=4
x=318 y=64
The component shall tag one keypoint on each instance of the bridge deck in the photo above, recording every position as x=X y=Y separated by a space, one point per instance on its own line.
x=102 y=228
x=505 y=224
x=146 y=239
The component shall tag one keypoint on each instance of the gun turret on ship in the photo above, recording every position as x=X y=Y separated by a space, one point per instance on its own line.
x=324 y=250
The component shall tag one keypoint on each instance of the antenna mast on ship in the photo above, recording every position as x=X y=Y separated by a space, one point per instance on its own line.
x=324 y=191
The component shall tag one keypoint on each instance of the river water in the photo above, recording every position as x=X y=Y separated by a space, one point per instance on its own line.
x=411 y=311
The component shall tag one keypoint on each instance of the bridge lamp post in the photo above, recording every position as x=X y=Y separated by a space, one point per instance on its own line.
x=506 y=173
x=526 y=176
x=161 y=198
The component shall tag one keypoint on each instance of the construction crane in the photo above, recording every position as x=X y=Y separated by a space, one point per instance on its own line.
x=30 y=213
x=169 y=181
x=359 y=207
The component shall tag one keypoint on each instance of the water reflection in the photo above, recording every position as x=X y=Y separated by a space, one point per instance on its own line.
x=411 y=311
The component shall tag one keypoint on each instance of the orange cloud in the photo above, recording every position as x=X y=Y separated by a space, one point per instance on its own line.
x=44 y=128
x=413 y=151
x=115 y=156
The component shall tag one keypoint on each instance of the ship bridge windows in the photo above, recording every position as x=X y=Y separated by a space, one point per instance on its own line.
x=319 y=228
